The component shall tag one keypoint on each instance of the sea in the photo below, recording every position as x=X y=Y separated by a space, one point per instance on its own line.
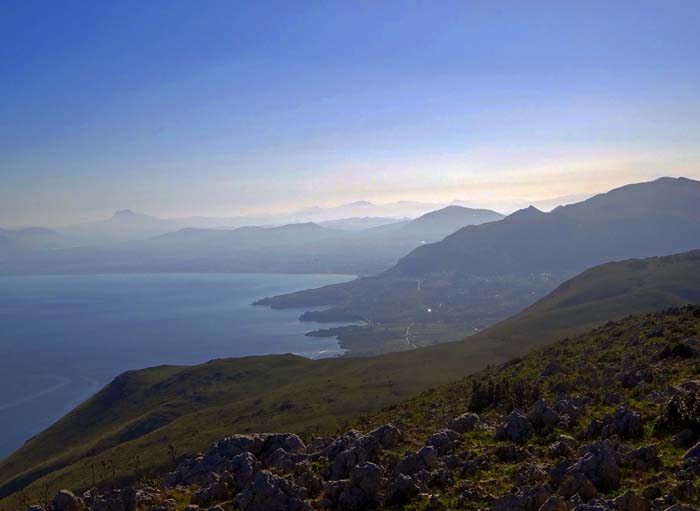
x=62 y=338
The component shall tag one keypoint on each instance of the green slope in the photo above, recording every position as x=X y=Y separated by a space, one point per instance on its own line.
x=139 y=420
x=590 y=367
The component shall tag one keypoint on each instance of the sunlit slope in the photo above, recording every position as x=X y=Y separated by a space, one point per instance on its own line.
x=143 y=418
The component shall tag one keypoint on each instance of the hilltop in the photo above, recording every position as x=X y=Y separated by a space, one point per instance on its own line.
x=142 y=413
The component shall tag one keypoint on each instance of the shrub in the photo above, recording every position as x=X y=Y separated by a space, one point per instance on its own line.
x=681 y=411
x=503 y=394
x=680 y=350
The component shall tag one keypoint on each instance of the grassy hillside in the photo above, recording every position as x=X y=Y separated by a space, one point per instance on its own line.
x=643 y=364
x=145 y=418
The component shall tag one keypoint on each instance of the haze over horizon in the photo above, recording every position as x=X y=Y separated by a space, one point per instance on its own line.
x=217 y=109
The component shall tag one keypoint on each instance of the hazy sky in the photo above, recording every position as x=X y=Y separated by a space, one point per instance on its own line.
x=217 y=108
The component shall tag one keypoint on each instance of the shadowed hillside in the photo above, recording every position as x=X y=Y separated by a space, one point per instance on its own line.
x=638 y=220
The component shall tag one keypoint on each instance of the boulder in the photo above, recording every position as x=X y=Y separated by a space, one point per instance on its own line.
x=642 y=458
x=243 y=468
x=599 y=464
x=268 y=492
x=402 y=489
x=362 y=492
x=628 y=501
x=465 y=422
x=215 y=492
x=577 y=484
x=568 y=410
x=233 y=445
x=66 y=501
x=551 y=369
x=517 y=428
x=281 y=461
x=341 y=444
x=559 y=471
x=388 y=436
x=443 y=441
x=305 y=476
x=542 y=416
x=563 y=447
x=627 y=424
x=363 y=449
x=413 y=462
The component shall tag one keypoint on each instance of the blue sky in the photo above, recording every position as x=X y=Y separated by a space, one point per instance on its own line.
x=218 y=108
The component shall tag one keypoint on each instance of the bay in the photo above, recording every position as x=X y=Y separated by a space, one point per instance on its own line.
x=64 y=337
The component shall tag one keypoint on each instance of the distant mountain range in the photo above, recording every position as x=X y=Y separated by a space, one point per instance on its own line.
x=516 y=204
x=127 y=225
x=340 y=246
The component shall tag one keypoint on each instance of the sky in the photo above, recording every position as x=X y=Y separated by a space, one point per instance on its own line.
x=179 y=108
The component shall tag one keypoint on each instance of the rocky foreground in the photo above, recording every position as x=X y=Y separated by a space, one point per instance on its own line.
x=607 y=421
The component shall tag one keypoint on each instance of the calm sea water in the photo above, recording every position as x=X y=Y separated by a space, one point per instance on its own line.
x=64 y=337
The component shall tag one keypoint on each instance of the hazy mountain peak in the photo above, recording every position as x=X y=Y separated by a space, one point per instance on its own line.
x=528 y=212
x=124 y=213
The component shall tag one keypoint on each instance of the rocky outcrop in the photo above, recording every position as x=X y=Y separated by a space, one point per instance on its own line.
x=268 y=492
x=542 y=416
x=627 y=423
x=267 y=448
x=517 y=428
x=465 y=422
x=599 y=463
x=363 y=490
